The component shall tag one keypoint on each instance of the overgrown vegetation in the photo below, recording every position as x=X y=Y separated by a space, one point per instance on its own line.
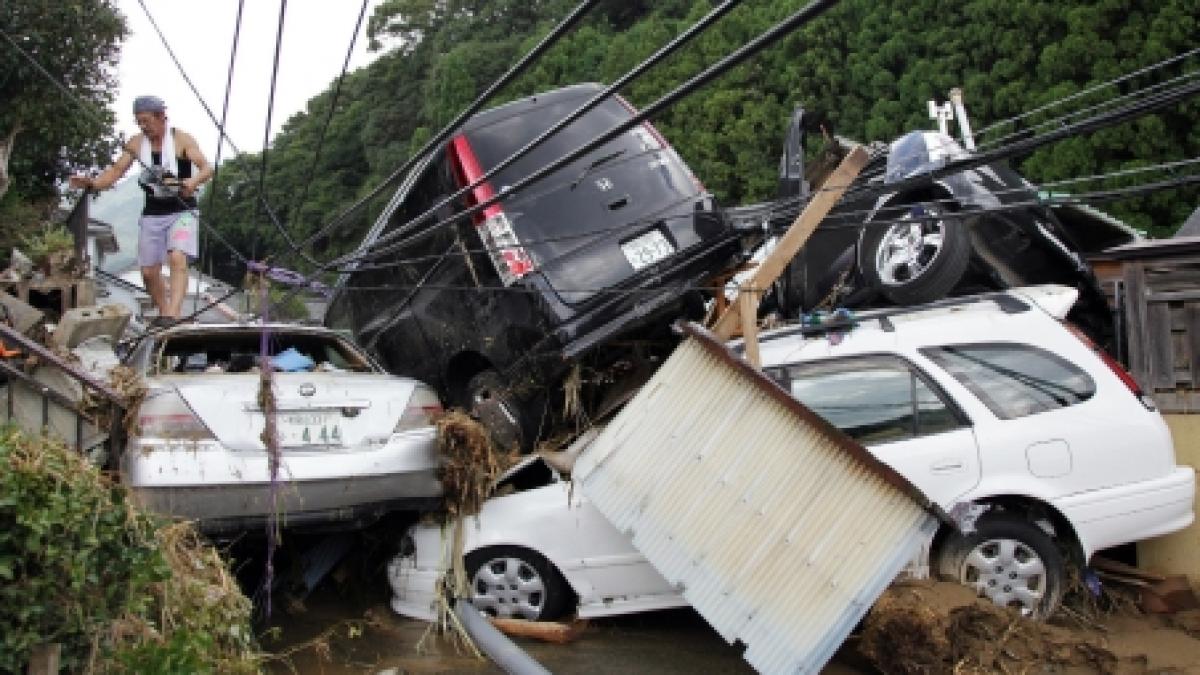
x=867 y=67
x=120 y=591
x=46 y=242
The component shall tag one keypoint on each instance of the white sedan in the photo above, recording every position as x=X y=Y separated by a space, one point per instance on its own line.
x=355 y=442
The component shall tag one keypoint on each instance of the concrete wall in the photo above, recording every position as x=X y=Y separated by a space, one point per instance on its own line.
x=1177 y=553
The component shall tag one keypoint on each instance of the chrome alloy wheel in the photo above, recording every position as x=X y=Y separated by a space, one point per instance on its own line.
x=908 y=249
x=1008 y=572
x=508 y=587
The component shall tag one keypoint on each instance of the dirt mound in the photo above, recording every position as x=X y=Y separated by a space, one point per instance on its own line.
x=937 y=627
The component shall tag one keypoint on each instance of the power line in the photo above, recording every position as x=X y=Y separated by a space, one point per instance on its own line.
x=517 y=69
x=762 y=41
x=1117 y=80
x=262 y=172
x=337 y=90
x=631 y=75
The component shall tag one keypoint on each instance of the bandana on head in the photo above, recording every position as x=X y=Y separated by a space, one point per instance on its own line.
x=151 y=104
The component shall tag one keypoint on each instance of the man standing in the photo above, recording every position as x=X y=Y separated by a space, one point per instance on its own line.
x=173 y=168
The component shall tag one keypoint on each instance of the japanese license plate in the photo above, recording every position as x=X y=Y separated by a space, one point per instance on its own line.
x=309 y=429
x=647 y=249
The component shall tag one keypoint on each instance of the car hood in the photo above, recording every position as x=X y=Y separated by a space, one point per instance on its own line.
x=336 y=409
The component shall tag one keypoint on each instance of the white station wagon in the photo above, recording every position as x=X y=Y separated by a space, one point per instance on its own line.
x=356 y=442
x=990 y=404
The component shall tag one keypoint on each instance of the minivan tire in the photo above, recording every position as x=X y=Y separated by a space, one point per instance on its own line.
x=909 y=267
x=1001 y=557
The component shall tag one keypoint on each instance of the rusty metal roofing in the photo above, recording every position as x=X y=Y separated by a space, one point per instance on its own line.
x=780 y=530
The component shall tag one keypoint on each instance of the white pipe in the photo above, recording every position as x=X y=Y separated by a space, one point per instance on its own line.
x=964 y=125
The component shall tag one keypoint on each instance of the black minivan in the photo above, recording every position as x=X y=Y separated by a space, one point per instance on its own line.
x=547 y=306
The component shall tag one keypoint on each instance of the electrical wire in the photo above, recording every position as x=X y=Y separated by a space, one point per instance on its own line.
x=262 y=172
x=337 y=90
x=600 y=97
x=1117 y=80
x=516 y=70
x=221 y=135
x=762 y=41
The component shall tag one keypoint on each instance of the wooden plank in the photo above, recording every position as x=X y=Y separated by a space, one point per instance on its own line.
x=1191 y=314
x=1135 y=324
x=45 y=659
x=748 y=307
x=1159 y=352
x=801 y=228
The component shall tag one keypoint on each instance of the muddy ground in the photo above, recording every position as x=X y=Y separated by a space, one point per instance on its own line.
x=914 y=628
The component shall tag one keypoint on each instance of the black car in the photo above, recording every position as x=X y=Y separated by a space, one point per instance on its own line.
x=545 y=305
x=967 y=232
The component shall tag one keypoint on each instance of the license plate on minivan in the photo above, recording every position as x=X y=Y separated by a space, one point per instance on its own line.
x=647 y=249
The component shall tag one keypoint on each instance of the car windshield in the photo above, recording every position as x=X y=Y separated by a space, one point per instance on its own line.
x=239 y=352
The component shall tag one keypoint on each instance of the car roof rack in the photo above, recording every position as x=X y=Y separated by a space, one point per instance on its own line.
x=1005 y=302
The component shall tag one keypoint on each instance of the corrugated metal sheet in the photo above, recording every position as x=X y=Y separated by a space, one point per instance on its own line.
x=781 y=531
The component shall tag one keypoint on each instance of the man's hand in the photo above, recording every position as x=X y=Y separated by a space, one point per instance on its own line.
x=80 y=181
x=187 y=188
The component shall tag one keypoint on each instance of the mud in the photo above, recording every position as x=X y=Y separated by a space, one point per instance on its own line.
x=943 y=628
x=914 y=628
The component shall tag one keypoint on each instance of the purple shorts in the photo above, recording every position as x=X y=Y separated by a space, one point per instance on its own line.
x=172 y=232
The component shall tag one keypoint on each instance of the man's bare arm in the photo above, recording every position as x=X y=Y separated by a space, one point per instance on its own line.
x=113 y=173
x=204 y=170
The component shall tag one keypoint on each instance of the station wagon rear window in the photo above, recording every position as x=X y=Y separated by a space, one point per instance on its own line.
x=1014 y=380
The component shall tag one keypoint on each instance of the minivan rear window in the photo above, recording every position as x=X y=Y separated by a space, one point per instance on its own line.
x=1014 y=380
x=495 y=142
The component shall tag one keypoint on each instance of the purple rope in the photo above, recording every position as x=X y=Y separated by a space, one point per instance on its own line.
x=286 y=276
x=271 y=441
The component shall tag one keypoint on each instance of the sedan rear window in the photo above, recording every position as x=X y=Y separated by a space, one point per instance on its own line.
x=238 y=352
x=1014 y=380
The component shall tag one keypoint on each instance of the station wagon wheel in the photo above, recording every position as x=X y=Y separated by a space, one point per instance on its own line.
x=513 y=582
x=1009 y=560
x=919 y=258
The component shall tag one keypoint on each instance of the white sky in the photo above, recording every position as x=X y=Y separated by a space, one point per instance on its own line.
x=315 y=38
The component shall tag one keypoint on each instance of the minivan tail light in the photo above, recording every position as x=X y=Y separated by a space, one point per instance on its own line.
x=1122 y=374
x=168 y=416
x=422 y=410
x=511 y=259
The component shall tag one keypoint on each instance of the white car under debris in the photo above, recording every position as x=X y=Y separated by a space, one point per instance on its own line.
x=990 y=401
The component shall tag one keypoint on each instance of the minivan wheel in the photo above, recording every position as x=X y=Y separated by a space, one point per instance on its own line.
x=919 y=259
x=1009 y=560
x=513 y=582
x=490 y=400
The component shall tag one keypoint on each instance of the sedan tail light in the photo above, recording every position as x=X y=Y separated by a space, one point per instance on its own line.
x=422 y=410
x=1114 y=366
x=168 y=416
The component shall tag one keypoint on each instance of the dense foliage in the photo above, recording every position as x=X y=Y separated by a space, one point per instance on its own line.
x=82 y=567
x=52 y=130
x=45 y=131
x=867 y=67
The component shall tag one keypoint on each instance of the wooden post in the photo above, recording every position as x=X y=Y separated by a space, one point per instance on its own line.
x=819 y=206
x=44 y=659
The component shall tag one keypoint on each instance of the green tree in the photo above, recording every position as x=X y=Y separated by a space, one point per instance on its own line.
x=45 y=133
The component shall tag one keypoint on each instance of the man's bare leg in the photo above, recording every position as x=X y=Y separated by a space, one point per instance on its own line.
x=152 y=278
x=179 y=282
